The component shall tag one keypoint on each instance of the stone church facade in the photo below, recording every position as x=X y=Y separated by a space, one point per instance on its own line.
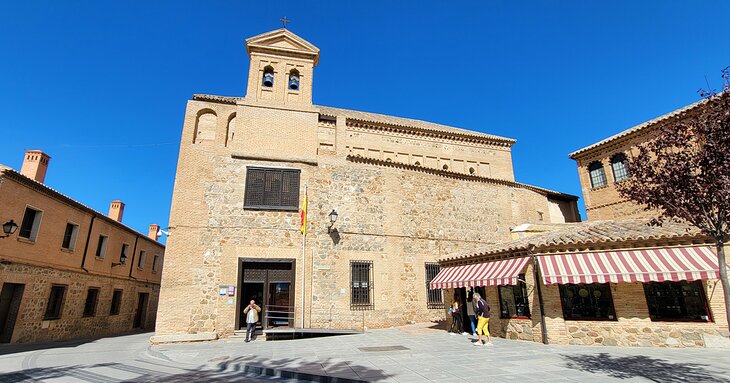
x=406 y=193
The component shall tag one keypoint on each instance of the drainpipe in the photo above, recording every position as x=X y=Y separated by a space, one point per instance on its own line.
x=535 y=271
x=86 y=246
x=134 y=251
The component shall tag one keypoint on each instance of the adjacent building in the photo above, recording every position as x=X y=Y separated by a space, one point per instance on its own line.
x=66 y=270
x=385 y=198
x=613 y=280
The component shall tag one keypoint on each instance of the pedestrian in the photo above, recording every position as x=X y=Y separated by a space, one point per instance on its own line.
x=481 y=308
x=470 y=313
x=252 y=316
x=456 y=318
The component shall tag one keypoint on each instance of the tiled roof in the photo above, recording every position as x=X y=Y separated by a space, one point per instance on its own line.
x=590 y=234
x=639 y=127
x=377 y=118
x=10 y=173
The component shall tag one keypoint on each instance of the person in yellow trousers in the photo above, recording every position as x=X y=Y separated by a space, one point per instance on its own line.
x=481 y=308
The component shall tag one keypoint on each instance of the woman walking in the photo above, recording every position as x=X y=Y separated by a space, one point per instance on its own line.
x=481 y=308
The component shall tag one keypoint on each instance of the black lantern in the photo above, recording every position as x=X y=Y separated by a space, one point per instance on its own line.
x=9 y=228
x=333 y=219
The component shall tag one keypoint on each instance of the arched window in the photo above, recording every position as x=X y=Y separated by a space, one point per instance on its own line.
x=619 y=167
x=598 y=175
x=268 y=80
x=294 y=79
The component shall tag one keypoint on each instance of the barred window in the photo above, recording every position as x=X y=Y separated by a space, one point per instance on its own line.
x=619 y=167
x=272 y=189
x=434 y=297
x=598 y=175
x=361 y=285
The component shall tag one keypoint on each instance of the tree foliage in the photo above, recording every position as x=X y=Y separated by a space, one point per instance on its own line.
x=684 y=172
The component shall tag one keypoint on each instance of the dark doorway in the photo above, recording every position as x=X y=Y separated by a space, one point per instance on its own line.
x=10 y=298
x=269 y=283
x=140 y=315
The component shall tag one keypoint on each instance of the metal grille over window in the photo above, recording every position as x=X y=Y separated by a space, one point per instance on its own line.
x=361 y=297
x=434 y=297
x=272 y=189
x=619 y=168
x=598 y=175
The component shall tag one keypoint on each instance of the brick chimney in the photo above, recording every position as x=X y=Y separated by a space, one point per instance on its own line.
x=154 y=228
x=35 y=165
x=116 y=210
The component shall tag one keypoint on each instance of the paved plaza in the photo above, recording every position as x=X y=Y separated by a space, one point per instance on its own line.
x=414 y=353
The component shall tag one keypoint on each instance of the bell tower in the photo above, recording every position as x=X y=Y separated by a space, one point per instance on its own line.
x=282 y=68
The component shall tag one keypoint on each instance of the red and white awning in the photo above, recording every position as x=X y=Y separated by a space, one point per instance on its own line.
x=647 y=265
x=503 y=272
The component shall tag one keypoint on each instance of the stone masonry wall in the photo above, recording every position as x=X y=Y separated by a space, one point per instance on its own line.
x=30 y=325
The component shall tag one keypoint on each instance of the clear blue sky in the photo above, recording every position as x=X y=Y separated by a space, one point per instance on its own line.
x=101 y=86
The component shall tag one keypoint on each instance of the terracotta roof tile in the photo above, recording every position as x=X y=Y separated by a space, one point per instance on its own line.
x=587 y=235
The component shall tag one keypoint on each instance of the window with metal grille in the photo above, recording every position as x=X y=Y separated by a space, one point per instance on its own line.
x=55 y=302
x=116 y=302
x=434 y=297
x=361 y=285
x=619 y=167
x=272 y=189
x=597 y=174
x=92 y=298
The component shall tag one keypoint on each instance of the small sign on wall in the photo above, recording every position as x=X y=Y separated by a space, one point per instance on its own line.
x=222 y=291
x=231 y=291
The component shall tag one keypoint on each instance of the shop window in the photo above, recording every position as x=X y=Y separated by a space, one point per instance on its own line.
x=619 y=167
x=69 y=236
x=435 y=297
x=513 y=302
x=116 y=302
x=272 y=189
x=676 y=301
x=31 y=223
x=361 y=285
x=597 y=174
x=101 y=246
x=55 y=302
x=92 y=298
x=587 y=302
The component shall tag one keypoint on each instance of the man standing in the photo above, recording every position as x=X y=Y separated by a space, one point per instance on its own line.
x=482 y=310
x=252 y=316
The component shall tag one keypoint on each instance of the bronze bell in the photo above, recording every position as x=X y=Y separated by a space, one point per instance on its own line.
x=268 y=79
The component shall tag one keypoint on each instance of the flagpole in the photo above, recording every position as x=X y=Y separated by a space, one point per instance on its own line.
x=304 y=242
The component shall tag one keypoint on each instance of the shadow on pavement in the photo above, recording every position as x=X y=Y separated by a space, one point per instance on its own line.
x=243 y=369
x=14 y=348
x=640 y=366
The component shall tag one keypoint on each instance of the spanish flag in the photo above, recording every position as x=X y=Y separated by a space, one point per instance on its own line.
x=304 y=215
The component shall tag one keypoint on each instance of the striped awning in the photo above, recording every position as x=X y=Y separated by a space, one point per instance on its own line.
x=645 y=265
x=502 y=272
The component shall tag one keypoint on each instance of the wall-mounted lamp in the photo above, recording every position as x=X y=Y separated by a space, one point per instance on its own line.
x=333 y=219
x=9 y=228
x=122 y=260
x=162 y=231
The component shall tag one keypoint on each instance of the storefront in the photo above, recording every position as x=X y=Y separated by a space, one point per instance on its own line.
x=664 y=291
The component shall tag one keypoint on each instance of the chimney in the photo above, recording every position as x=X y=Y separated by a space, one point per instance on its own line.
x=35 y=165
x=116 y=210
x=154 y=228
